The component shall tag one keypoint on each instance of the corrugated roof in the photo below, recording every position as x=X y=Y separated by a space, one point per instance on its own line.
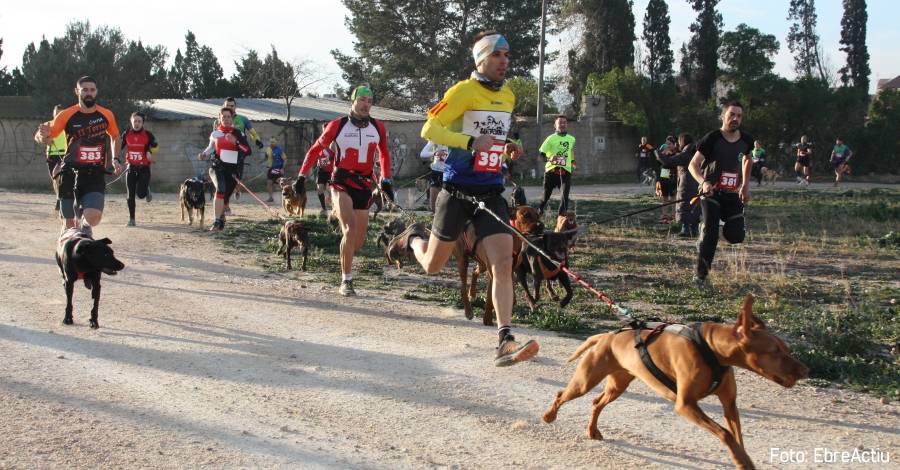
x=256 y=109
x=266 y=109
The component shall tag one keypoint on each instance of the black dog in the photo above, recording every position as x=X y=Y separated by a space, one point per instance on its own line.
x=81 y=257
x=555 y=244
x=517 y=198
x=192 y=197
x=293 y=234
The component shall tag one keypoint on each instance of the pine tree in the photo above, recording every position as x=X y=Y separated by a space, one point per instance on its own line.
x=700 y=59
x=659 y=59
x=178 y=78
x=803 y=40
x=853 y=40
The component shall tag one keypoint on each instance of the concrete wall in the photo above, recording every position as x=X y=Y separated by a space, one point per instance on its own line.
x=602 y=147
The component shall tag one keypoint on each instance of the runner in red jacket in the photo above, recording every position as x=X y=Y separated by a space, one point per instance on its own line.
x=356 y=137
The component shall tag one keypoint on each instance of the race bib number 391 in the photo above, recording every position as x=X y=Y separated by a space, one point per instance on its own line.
x=90 y=155
x=491 y=161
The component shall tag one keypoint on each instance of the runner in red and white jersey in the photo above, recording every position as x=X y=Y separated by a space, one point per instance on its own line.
x=138 y=145
x=356 y=137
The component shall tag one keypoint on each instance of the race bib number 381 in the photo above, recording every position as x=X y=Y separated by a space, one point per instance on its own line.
x=728 y=181
x=92 y=155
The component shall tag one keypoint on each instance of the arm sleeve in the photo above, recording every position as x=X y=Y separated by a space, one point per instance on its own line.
x=122 y=140
x=384 y=155
x=152 y=145
x=427 y=151
x=679 y=159
x=251 y=132
x=545 y=146
x=58 y=125
x=447 y=111
x=113 y=128
x=211 y=148
x=243 y=146
x=322 y=143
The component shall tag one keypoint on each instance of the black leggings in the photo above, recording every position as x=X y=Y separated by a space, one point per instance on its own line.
x=137 y=182
x=222 y=175
x=553 y=180
x=719 y=206
x=756 y=171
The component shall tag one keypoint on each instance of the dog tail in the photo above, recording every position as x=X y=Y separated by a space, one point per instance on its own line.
x=587 y=344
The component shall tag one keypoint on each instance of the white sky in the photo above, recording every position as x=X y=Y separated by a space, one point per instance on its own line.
x=308 y=29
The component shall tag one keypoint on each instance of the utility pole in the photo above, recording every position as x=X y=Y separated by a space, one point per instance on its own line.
x=540 y=92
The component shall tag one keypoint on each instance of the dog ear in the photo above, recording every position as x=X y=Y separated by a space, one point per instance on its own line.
x=744 y=326
x=105 y=240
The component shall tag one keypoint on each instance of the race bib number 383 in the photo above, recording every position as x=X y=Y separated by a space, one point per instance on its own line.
x=90 y=154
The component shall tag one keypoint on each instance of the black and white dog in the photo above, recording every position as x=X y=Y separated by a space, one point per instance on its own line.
x=81 y=257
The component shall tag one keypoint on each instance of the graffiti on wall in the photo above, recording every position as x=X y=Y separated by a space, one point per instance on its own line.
x=17 y=145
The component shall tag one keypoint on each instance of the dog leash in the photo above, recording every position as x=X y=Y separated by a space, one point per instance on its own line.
x=691 y=199
x=621 y=312
x=117 y=178
x=268 y=208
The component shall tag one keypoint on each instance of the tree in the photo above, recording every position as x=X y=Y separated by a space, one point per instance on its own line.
x=11 y=83
x=411 y=51
x=879 y=149
x=248 y=76
x=853 y=39
x=700 y=59
x=607 y=40
x=179 y=80
x=803 y=40
x=747 y=53
x=659 y=59
x=210 y=81
x=526 y=91
x=626 y=93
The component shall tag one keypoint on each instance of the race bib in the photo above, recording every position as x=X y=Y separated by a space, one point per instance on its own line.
x=491 y=161
x=135 y=157
x=228 y=156
x=559 y=160
x=728 y=181
x=664 y=173
x=92 y=155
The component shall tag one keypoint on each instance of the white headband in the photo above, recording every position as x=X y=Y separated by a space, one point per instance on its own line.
x=487 y=45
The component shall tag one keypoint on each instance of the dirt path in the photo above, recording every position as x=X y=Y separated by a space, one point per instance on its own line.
x=204 y=359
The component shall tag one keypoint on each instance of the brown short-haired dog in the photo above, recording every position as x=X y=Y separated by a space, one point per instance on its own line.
x=527 y=220
x=293 y=203
x=747 y=344
x=293 y=234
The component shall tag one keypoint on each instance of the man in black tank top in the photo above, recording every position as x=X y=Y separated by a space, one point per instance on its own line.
x=722 y=168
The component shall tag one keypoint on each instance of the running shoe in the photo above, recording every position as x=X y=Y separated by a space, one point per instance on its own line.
x=511 y=352
x=130 y=223
x=227 y=211
x=701 y=283
x=346 y=289
x=149 y=197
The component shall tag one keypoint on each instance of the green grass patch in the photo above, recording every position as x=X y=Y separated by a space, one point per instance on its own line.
x=822 y=265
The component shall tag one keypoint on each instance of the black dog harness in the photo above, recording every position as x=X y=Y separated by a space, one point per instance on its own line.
x=693 y=333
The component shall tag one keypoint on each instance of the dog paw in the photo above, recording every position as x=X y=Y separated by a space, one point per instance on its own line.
x=549 y=416
x=67 y=321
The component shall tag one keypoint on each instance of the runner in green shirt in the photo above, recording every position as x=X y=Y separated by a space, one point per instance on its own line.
x=559 y=151
x=759 y=161
x=840 y=154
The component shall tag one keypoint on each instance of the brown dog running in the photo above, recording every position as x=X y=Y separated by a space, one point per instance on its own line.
x=747 y=344
x=769 y=175
x=568 y=222
x=526 y=220
x=293 y=203
x=293 y=234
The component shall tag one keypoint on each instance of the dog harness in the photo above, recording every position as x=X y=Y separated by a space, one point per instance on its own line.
x=692 y=333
